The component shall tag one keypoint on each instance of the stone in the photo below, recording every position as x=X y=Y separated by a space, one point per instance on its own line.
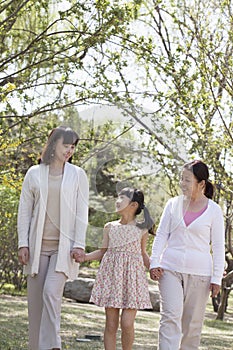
x=80 y=290
x=154 y=299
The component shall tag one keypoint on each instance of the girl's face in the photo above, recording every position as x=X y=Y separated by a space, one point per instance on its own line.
x=63 y=152
x=189 y=184
x=122 y=202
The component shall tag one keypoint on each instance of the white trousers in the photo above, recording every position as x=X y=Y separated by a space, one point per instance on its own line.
x=183 y=301
x=45 y=292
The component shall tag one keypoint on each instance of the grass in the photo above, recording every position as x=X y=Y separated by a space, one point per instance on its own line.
x=79 y=320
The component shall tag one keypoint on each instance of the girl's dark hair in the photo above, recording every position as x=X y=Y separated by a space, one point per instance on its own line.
x=201 y=172
x=136 y=195
x=69 y=136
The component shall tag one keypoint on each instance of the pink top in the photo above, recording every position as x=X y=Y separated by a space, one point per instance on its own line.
x=190 y=216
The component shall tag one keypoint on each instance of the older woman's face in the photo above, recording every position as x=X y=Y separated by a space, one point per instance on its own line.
x=189 y=184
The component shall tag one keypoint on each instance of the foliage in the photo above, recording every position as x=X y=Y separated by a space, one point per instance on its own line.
x=10 y=272
x=85 y=53
x=58 y=57
x=166 y=64
x=45 y=51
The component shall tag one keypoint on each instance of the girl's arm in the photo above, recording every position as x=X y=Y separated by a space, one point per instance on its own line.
x=145 y=256
x=95 y=255
x=99 y=253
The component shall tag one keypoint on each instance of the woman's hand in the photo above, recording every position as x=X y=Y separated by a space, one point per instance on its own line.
x=214 y=289
x=23 y=255
x=156 y=273
x=78 y=255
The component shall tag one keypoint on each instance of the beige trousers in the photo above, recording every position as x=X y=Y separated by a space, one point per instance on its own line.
x=183 y=301
x=45 y=292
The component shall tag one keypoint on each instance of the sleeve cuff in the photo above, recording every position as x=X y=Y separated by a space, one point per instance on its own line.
x=23 y=244
x=216 y=280
x=154 y=264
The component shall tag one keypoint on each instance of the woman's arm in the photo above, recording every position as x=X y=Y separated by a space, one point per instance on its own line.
x=218 y=245
x=81 y=221
x=26 y=204
x=162 y=235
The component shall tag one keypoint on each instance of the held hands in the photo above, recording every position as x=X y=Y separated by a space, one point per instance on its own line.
x=23 y=255
x=156 y=273
x=78 y=255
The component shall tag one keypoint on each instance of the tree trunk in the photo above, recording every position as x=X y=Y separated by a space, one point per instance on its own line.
x=226 y=288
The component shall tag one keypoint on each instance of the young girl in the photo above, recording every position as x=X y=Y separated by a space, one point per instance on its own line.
x=121 y=282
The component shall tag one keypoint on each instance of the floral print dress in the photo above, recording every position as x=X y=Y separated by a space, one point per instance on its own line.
x=121 y=281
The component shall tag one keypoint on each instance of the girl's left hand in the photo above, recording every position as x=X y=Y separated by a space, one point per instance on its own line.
x=214 y=289
x=156 y=273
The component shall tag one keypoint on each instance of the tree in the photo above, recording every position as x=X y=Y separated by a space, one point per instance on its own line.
x=186 y=59
x=166 y=63
x=48 y=63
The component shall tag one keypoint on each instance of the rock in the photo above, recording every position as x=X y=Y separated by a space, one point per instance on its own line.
x=80 y=290
x=154 y=298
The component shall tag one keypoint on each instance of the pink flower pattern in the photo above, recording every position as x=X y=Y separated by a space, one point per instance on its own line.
x=121 y=281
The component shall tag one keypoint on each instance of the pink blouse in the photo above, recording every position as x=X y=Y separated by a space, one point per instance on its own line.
x=190 y=216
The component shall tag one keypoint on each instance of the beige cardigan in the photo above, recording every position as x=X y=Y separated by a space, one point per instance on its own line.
x=73 y=216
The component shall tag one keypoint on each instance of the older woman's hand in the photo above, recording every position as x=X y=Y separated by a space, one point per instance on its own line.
x=214 y=289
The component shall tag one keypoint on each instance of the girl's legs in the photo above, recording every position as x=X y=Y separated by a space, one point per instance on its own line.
x=171 y=297
x=111 y=326
x=127 y=328
x=49 y=337
x=196 y=293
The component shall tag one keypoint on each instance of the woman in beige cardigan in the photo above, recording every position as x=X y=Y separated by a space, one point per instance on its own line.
x=52 y=222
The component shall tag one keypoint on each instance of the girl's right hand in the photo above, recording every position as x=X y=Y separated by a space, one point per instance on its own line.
x=23 y=255
x=156 y=273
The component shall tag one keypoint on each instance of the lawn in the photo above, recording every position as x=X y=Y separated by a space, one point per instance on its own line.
x=81 y=320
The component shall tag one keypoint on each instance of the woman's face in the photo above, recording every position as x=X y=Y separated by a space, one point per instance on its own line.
x=189 y=184
x=63 y=152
